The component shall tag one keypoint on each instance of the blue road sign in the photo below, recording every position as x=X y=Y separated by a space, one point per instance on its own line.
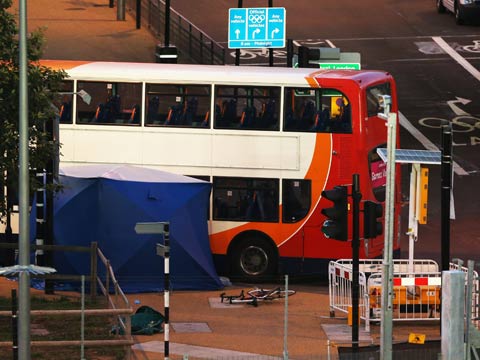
x=256 y=28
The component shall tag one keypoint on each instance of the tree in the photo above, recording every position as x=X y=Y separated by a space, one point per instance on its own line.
x=44 y=85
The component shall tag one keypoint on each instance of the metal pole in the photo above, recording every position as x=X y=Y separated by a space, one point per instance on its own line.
x=166 y=292
x=10 y=258
x=121 y=10
x=237 y=51
x=453 y=310
x=14 y=325
x=139 y=14
x=270 y=51
x=167 y=23
x=469 y=309
x=82 y=322
x=356 y=195
x=24 y=233
x=446 y=170
x=289 y=53
x=386 y=333
x=285 y=332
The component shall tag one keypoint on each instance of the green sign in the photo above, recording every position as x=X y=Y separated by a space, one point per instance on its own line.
x=339 y=66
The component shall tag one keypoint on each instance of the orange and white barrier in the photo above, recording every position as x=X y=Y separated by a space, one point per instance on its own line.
x=416 y=294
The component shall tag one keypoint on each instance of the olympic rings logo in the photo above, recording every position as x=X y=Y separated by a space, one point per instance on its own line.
x=256 y=18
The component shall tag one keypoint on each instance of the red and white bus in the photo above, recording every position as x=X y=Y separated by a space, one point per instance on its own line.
x=270 y=140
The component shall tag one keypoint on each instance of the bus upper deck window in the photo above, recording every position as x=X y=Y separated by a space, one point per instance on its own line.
x=317 y=110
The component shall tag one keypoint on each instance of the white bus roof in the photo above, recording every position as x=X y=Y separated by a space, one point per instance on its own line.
x=195 y=74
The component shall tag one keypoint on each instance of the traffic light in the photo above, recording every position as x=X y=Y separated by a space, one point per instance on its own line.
x=336 y=226
x=303 y=57
x=372 y=227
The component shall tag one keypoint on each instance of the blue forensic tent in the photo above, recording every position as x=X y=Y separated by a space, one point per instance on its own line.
x=103 y=203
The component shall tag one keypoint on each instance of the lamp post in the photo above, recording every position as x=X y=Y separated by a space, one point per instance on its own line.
x=23 y=242
x=386 y=333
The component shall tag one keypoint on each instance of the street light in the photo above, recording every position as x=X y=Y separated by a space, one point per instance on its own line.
x=82 y=93
x=386 y=333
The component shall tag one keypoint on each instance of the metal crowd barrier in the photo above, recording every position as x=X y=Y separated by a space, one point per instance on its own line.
x=416 y=287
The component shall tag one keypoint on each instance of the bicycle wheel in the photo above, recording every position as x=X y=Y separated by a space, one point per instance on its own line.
x=259 y=293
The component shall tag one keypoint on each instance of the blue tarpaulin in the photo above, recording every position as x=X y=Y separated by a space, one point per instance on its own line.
x=104 y=203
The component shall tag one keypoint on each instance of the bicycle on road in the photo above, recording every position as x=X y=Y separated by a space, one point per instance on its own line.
x=254 y=296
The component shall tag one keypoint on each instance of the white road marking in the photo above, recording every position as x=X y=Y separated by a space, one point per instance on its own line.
x=457 y=57
x=330 y=43
x=455 y=108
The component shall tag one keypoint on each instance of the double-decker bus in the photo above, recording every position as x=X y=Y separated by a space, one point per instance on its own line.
x=270 y=140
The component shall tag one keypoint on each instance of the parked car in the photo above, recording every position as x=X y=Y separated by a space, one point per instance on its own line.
x=463 y=10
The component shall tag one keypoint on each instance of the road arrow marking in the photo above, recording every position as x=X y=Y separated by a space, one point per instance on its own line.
x=455 y=108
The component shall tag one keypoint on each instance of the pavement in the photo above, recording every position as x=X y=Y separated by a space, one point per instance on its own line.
x=201 y=326
x=204 y=327
x=88 y=30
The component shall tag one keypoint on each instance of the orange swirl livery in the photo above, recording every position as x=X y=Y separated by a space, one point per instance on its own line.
x=269 y=140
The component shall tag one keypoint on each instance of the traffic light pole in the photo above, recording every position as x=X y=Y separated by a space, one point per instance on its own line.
x=446 y=182
x=356 y=196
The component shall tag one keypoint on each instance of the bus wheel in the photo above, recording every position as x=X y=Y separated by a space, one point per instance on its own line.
x=254 y=259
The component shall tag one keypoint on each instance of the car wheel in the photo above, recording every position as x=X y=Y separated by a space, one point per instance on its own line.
x=254 y=259
x=458 y=17
x=440 y=6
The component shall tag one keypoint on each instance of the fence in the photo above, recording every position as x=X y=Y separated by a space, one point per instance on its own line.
x=189 y=39
x=118 y=304
x=92 y=249
x=416 y=289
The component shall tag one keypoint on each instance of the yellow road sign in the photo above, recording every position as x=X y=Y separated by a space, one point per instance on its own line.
x=416 y=338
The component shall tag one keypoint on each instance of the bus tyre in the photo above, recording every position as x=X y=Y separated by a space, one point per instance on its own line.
x=254 y=259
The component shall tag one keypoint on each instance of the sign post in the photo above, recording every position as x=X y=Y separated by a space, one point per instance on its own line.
x=162 y=250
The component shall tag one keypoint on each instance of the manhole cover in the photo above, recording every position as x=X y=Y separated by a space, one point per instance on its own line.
x=191 y=327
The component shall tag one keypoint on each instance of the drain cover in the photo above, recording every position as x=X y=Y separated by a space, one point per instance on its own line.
x=191 y=327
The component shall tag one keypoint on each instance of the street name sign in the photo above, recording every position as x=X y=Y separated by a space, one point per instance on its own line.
x=339 y=66
x=151 y=228
x=346 y=61
x=256 y=28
